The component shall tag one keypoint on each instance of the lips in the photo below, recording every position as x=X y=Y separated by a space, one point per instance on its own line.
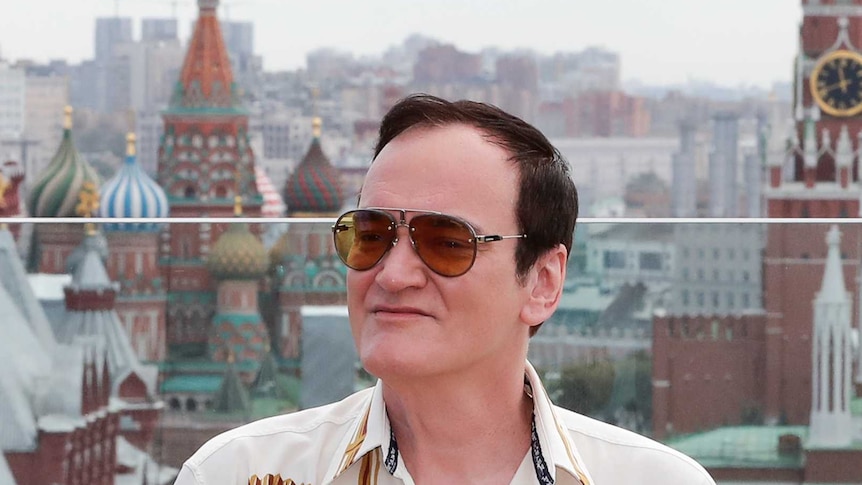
x=399 y=310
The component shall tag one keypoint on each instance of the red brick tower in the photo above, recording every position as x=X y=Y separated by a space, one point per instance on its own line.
x=205 y=160
x=816 y=177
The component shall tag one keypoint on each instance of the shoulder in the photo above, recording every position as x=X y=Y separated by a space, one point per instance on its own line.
x=615 y=455
x=306 y=439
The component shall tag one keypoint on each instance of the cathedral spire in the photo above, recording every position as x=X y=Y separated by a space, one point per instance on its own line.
x=831 y=422
x=206 y=80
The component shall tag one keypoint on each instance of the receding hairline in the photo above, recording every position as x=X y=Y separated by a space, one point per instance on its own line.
x=432 y=124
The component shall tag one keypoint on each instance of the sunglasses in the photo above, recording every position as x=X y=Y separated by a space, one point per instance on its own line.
x=446 y=244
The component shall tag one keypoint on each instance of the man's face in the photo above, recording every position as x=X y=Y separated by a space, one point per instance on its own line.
x=408 y=321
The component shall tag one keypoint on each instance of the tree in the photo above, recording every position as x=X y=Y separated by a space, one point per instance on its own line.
x=584 y=388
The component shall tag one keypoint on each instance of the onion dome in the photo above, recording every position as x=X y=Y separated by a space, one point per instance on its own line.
x=55 y=191
x=315 y=185
x=132 y=193
x=273 y=205
x=238 y=254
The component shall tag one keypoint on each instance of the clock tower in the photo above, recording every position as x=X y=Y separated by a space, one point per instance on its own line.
x=813 y=172
x=819 y=175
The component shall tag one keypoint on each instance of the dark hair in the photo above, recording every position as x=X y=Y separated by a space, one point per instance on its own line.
x=547 y=205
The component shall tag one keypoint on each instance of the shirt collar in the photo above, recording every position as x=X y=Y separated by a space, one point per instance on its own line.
x=558 y=448
x=372 y=431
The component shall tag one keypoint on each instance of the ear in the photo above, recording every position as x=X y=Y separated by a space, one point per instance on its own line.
x=544 y=284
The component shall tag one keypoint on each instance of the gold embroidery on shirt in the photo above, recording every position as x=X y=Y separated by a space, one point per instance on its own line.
x=270 y=479
x=369 y=470
x=355 y=444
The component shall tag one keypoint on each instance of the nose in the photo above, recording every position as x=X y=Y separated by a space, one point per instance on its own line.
x=401 y=267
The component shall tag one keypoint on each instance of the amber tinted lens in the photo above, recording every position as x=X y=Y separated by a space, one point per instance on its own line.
x=362 y=237
x=447 y=245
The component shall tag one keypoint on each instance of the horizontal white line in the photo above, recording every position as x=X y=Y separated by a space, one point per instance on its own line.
x=329 y=220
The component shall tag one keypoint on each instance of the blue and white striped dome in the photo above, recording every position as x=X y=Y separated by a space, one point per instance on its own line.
x=132 y=193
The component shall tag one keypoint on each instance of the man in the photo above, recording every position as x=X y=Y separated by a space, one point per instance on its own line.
x=457 y=254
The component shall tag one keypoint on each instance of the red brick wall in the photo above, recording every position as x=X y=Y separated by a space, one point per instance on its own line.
x=707 y=371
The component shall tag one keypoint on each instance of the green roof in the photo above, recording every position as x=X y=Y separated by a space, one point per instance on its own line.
x=741 y=447
x=200 y=383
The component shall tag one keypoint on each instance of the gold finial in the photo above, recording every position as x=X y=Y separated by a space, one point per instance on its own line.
x=67 y=117
x=88 y=200
x=231 y=358
x=237 y=205
x=4 y=186
x=130 y=144
x=316 y=126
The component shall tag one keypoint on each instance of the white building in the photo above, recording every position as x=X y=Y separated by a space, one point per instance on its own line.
x=46 y=97
x=719 y=268
x=631 y=253
x=12 y=101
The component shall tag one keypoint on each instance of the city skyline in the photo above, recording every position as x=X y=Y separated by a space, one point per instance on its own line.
x=672 y=42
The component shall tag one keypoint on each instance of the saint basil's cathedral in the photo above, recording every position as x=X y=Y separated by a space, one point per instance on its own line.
x=183 y=316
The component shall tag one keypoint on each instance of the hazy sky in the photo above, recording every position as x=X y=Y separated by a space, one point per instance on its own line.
x=730 y=42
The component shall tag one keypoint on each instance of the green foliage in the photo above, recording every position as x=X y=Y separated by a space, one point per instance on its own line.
x=584 y=388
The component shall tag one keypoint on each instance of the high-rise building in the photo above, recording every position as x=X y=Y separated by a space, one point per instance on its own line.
x=238 y=38
x=111 y=31
x=158 y=29
x=47 y=95
x=684 y=171
x=722 y=165
x=12 y=101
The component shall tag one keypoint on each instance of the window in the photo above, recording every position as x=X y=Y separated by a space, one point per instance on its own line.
x=746 y=303
x=650 y=261
x=731 y=300
x=685 y=297
x=700 y=299
x=715 y=299
x=615 y=259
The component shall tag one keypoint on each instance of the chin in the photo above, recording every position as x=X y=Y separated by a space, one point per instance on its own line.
x=394 y=362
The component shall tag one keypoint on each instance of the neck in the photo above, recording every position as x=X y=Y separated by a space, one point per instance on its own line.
x=457 y=427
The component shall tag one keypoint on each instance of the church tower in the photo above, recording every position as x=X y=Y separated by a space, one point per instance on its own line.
x=205 y=161
x=133 y=258
x=305 y=269
x=813 y=172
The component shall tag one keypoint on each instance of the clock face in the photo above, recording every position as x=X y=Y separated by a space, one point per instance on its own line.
x=836 y=83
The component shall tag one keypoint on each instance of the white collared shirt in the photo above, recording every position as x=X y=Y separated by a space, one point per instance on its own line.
x=350 y=442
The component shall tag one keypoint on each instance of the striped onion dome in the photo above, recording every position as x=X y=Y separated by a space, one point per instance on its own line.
x=315 y=185
x=273 y=205
x=55 y=191
x=132 y=193
x=238 y=254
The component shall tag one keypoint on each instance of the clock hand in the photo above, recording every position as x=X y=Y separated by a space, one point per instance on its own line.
x=842 y=81
x=835 y=85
